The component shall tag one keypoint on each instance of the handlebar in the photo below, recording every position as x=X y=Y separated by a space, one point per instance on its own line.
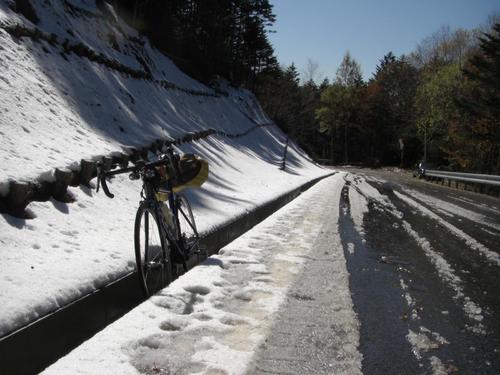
x=141 y=166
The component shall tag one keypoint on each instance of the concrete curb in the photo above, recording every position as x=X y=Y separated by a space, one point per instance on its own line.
x=37 y=345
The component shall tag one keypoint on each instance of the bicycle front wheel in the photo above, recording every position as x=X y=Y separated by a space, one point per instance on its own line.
x=153 y=264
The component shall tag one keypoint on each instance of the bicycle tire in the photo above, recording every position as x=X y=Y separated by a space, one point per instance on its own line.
x=154 y=267
x=187 y=226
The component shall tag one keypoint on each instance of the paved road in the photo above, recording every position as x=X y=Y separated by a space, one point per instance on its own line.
x=442 y=257
x=315 y=327
x=423 y=264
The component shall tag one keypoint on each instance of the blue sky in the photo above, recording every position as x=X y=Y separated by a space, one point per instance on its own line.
x=323 y=30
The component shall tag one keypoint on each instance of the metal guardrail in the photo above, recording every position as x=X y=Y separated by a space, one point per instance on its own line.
x=483 y=179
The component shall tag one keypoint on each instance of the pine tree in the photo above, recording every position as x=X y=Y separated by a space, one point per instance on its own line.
x=481 y=101
x=392 y=108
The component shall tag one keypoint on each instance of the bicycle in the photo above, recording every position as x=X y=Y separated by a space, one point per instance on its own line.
x=165 y=236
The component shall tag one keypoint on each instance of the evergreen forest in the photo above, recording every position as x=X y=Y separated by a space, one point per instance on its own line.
x=440 y=102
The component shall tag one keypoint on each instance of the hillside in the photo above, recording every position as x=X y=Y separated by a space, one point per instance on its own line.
x=80 y=84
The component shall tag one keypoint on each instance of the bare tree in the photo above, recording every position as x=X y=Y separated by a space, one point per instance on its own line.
x=444 y=45
x=311 y=73
x=349 y=72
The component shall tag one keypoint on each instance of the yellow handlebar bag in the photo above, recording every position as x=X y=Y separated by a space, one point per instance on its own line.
x=193 y=172
x=190 y=171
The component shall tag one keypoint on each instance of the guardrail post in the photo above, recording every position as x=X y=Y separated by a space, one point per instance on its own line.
x=60 y=187
x=19 y=196
x=88 y=171
x=283 y=163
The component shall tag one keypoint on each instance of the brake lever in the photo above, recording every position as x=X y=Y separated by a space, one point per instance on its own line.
x=101 y=181
x=105 y=188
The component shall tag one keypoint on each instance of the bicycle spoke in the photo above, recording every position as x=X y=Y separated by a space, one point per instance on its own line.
x=146 y=236
x=149 y=251
x=188 y=235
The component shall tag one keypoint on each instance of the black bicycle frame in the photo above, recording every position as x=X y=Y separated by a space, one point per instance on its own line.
x=149 y=196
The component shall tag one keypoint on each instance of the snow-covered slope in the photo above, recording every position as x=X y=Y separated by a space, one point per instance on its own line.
x=58 y=107
x=67 y=92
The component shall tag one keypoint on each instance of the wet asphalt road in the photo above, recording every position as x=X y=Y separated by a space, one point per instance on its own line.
x=415 y=318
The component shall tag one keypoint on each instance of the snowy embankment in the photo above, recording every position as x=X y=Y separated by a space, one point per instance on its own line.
x=57 y=108
x=213 y=319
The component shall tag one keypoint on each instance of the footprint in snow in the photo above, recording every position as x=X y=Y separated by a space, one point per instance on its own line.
x=174 y=305
x=232 y=321
x=4 y=79
x=197 y=289
x=243 y=295
x=203 y=317
x=170 y=326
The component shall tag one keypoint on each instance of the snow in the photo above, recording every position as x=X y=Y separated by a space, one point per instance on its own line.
x=56 y=110
x=358 y=203
x=212 y=319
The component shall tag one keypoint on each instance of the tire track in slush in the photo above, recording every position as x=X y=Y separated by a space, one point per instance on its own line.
x=471 y=242
x=421 y=339
x=377 y=295
x=446 y=272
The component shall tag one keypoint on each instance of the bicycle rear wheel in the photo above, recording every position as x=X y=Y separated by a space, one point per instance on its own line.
x=187 y=227
x=151 y=252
